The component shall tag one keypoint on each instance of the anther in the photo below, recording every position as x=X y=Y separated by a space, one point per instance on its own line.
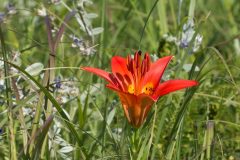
x=140 y=52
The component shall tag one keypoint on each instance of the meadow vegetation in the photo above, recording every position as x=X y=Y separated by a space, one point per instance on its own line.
x=51 y=109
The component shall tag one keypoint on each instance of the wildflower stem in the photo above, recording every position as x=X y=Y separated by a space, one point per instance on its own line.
x=191 y=9
x=135 y=140
x=185 y=55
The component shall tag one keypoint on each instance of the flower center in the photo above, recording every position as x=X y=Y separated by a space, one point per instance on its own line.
x=148 y=89
x=131 y=89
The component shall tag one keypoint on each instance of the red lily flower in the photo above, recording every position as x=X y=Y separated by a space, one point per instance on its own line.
x=137 y=82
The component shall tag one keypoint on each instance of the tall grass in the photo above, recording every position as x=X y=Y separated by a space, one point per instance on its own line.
x=51 y=109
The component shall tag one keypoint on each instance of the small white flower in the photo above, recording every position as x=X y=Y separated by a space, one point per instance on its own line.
x=11 y=8
x=27 y=111
x=187 y=36
x=154 y=57
x=170 y=38
x=197 y=42
x=188 y=25
x=42 y=11
x=77 y=42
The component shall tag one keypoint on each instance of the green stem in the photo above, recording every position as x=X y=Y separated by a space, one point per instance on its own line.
x=180 y=66
x=135 y=144
x=191 y=9
x=102 y=36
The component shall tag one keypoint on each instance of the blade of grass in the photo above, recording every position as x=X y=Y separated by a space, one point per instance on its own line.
x=147 y=149
x=210 y=136
x=13 y=151
x=142 y=152
x=162 y=17
x=177 y=124
x=208 y=141
x=40 y=137
x=21 y=116
x=159 y=128
x=224 y=63
x=144 y=27
x=102 y=36
x=179 y=140
x=108 y=129
x=50 y=74
x=196 y=139
x=173 y=13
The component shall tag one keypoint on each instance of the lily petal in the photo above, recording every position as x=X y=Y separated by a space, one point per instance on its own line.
x=120 y=71
x=113 y=87
x=156 y=71
x=119 y=65
x=172 y=85
x=99 y=72
x=136 y=107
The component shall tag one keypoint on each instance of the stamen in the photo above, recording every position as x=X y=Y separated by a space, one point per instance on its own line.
x=148 y=61
x=128 y=62
x=140 y=52
x=138 y=67
x=148 y=89
x=131 y=89
x=137 y=59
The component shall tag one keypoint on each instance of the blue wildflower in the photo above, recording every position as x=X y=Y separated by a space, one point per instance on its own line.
x=57 y=82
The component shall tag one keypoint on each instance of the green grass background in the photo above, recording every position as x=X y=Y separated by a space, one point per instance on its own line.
x=195 y=124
